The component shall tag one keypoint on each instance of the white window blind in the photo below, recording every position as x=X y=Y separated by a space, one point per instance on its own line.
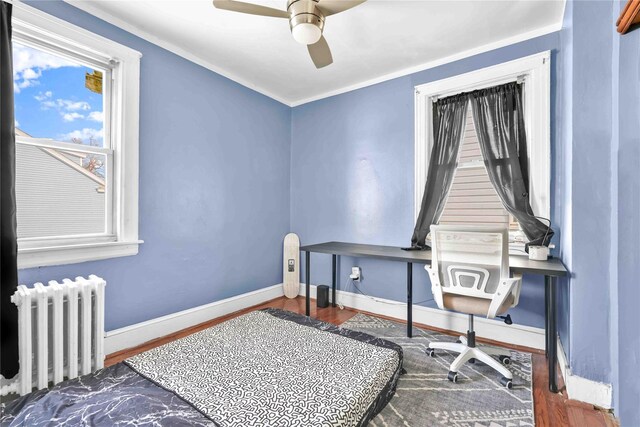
x=472 y=198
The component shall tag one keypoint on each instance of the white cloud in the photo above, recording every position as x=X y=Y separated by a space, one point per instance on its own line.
x=69 y=117
x=31 y=74
x=43 y=96
x=25 y=83
x=96 y=116
x=29 y=63
x=17 y=123
x=69 y=105
x=61 y=104
x=85 y=135
x=67 y=108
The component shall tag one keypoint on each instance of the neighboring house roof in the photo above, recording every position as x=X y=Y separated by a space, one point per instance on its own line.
x=55 y=195
x=65 y=158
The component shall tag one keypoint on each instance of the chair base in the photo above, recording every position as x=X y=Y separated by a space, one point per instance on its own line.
x=482 y=353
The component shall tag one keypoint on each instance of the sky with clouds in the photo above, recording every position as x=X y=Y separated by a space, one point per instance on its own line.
x=51 y=100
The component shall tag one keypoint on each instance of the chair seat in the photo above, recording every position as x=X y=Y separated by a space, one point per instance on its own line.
x=473 y=305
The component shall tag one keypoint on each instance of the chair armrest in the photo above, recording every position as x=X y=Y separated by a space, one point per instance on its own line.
x=436 y=286
x=516 y=291
x=505 y=288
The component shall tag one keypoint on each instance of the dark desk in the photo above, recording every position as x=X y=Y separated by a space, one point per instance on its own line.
x=551 y=269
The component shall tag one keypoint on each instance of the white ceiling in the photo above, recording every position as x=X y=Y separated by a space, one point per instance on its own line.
x=375 y=41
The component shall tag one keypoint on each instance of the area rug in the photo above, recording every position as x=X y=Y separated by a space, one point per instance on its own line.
x=426 y=398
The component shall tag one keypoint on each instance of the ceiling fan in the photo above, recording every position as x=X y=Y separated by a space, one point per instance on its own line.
x=306 y=20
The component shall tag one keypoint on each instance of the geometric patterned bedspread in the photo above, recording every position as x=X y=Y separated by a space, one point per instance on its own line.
x=276 y=368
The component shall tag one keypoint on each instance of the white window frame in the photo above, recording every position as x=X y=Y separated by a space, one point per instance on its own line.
x=535 y=71
x=31 y=24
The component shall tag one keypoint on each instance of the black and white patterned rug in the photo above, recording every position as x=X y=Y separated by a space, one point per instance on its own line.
x=426 y=398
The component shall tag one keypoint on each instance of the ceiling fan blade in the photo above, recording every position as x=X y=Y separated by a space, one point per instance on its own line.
x=331 y=7
x=253 y=9
x=320 y=53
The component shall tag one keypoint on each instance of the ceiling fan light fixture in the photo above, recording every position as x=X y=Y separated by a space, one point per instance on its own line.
x=306 y=20
x=306 y=33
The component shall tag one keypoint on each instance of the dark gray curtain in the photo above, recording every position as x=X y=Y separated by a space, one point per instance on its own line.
x=449 y=116
x=8 y=244
x=499 y=122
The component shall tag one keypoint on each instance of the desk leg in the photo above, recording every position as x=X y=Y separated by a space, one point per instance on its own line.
x=547 y=279
x=552 y=334
x=333 y=281
x=307 y=281
x=409 y=299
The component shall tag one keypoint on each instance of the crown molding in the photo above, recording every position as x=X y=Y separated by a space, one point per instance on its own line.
x=436 y=63
x=97 y=12
x=91 y=9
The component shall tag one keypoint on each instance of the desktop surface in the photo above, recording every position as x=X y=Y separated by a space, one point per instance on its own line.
x=517 y=263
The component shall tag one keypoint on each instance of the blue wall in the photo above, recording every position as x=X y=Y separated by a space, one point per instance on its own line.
x=352 y=172
x=214 y=188
x=604 y=107
x=627 y=388
x=591 y=189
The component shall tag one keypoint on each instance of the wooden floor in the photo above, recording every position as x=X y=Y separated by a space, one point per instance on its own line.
x=551 y=409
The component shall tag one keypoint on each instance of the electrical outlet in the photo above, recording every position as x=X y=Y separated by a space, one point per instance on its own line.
x=355 y=273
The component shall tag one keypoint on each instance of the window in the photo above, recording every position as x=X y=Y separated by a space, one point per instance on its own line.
x=472 y=199
x=76 y=142
x=63 y=161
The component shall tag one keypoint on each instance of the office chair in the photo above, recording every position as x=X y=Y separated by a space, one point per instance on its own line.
x=470 y=274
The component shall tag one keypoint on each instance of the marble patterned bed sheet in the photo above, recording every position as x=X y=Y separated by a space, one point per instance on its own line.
x=168 y=386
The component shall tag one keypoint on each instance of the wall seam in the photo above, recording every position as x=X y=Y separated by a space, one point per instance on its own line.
x=613 y=253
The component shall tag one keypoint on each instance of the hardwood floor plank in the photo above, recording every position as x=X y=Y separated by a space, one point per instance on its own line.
x=550 y=409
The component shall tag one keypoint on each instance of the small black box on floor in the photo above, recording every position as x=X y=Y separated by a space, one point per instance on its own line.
x=322 y=299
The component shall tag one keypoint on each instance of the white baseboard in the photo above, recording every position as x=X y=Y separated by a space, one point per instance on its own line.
x=134 y=335
x=484 y=328
x=583 y=389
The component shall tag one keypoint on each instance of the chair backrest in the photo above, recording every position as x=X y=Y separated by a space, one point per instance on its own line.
x=470 y=260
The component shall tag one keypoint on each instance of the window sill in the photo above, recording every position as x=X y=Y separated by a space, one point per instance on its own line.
x=72 y=254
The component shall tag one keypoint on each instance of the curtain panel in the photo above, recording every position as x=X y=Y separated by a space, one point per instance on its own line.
x=8 y=243
x=499 y=121
x=449 y=116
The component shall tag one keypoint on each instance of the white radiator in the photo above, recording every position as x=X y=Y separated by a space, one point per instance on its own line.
x=61 y=332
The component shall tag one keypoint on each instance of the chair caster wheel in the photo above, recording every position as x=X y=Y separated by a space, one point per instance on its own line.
x=506 y=382
x=431 y=352
x=458 y=342
x=506 y=360
x=452 y=376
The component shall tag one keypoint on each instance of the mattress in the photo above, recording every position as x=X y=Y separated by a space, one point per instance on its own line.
x=264 y=368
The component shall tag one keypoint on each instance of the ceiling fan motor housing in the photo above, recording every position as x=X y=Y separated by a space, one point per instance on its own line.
x=305 y=15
